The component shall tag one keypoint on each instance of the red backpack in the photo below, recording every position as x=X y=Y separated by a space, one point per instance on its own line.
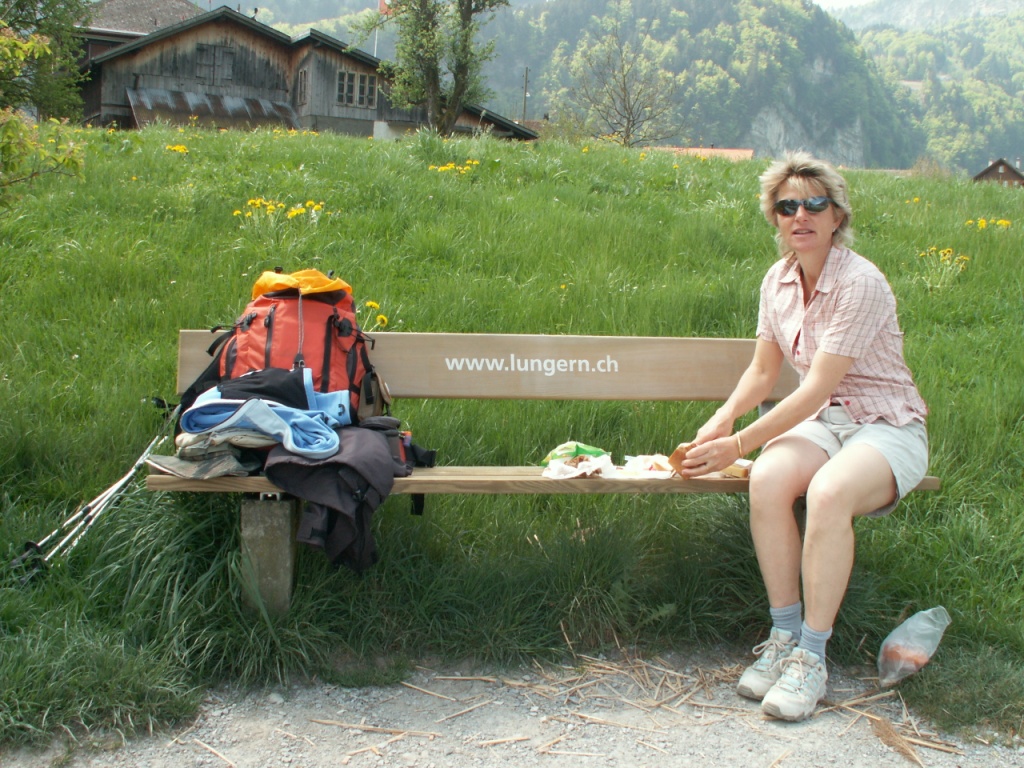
x=306 y=319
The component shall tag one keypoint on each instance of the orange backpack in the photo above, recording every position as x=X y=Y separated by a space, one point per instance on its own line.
x=306 y=320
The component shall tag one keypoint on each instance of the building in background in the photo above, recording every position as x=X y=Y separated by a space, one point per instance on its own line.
x=1001 y=172
x=225 y=69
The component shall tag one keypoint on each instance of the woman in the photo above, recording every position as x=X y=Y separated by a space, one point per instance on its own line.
x=851 y=437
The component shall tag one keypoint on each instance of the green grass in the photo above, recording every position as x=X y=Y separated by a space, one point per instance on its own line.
x=148 y=609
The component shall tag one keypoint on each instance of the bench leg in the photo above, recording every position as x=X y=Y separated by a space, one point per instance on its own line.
x=268 y=541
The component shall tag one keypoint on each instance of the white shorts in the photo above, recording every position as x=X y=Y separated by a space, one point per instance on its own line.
x=905 y=448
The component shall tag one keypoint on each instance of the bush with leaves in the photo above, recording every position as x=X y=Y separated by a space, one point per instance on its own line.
x=28 y=150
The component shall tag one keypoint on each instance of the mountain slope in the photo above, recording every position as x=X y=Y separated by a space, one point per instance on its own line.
x=923 y=14
x=767 y=74
x=777 y=74
x=968 y=78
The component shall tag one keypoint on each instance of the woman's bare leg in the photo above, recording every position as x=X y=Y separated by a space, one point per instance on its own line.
x=781 y=474
x=856 y=481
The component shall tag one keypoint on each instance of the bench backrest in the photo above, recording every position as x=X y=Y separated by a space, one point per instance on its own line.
x=525 y=367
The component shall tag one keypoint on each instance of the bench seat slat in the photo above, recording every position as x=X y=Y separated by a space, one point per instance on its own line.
x=489 y=480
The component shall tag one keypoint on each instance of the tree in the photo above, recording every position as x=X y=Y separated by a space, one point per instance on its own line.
x=617 y=84
x=438 y=60
x=49 y=82
x=26 y=149
x=16 y=52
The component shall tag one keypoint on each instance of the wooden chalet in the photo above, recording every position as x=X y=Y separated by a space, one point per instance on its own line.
x=227 y=70
x=1003 y=173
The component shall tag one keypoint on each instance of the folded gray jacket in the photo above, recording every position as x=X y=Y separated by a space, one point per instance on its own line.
x=341 y=491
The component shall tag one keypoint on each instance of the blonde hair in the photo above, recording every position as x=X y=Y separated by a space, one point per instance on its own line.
x=807 y=174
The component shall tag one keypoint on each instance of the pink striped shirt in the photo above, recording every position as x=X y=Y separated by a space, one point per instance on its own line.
x=852 y=313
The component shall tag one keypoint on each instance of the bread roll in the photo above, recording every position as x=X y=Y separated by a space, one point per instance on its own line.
x=678 y=455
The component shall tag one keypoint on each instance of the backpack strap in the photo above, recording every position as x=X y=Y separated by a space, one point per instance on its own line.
x=418 y=456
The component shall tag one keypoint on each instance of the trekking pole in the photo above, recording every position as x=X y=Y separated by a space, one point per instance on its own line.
x=37 y=546
x=101 y=503
x=35 y=558
x=33 y=550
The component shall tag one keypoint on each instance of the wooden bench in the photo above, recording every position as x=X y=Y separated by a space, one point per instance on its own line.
x=494 y=366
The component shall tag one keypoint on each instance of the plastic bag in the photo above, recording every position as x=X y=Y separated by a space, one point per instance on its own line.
x=650 y=466
x=580 y=466
x=910 y=646
x=571 y=449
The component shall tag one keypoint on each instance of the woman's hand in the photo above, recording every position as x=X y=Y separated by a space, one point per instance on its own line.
x=711 y=456
x=717 y=426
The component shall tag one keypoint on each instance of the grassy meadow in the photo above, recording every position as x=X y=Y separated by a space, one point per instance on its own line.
x=170 y=228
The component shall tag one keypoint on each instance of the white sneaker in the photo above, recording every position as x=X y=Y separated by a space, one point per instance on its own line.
x=799 y=689
x=760 y=676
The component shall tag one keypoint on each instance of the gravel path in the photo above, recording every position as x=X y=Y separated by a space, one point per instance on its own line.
x=665 y=711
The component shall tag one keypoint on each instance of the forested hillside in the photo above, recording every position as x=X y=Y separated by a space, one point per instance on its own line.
x=773 y=74
x=924 y=14
x=968 y=78
x=767 y=74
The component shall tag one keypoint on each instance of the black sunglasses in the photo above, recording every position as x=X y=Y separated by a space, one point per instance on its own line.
x=811 y=205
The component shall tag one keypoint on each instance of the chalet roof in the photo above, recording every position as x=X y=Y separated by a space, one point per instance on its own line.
x=151 y=105
x=1001 y=169
x=518 y=130
x=320 y=38
x=140 y=16
x=220 y=13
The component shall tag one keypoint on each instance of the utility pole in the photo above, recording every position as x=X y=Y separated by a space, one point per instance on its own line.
x=526 y=84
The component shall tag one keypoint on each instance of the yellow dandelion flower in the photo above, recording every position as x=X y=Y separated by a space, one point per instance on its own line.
x=382 y=321
x=237 y=213
x=982 y=223
x=372 y=305
x=310 y=203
